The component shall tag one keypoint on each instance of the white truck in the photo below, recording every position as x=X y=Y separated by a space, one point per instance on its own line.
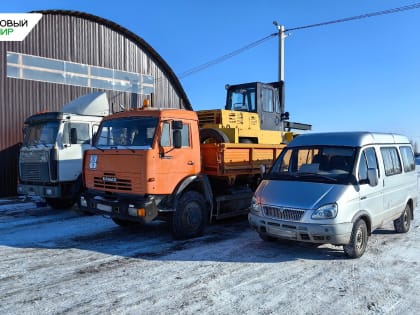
x=50 y=160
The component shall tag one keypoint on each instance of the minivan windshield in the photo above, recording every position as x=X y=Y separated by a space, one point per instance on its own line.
x=326 y=164
x=127 y=132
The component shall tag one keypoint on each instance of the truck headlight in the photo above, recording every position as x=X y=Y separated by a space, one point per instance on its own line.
x=328 y=211
x=83 y=202
x=43 y=157
x=255 y=206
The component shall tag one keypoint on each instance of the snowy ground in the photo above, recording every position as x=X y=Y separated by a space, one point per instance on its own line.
x=62 y=262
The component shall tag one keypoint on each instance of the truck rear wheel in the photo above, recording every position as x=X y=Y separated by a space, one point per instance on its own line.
x=190 y=216
x=210 y=135
x=57 y=203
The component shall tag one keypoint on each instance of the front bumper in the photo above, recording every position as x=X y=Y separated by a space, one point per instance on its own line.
x=337 y=234
x=40 y=190
x=137 y=209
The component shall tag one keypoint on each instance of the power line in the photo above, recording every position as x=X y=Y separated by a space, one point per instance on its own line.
x=227 y=56
x=359 y=17
x=264 y=39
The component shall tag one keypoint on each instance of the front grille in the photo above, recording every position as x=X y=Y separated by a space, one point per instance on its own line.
x=32 y=156
x=117 y=184
x=286 y=214
x=37 y=172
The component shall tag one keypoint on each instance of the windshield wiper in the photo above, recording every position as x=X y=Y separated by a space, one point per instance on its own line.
x=281 y=176
x=41 y=142
x=102 y=150
x=316 y=176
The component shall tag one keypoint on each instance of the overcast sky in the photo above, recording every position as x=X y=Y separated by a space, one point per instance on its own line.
x=358 y=75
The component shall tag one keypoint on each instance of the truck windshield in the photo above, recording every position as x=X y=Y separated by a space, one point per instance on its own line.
x=127 y=132
x=242 y=99
x=315 y=163
x=41 y=133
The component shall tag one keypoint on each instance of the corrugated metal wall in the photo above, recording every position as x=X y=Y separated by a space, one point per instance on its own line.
x=81 y=38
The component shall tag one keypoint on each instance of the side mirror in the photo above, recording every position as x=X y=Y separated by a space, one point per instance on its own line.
x=94 y=137
x=177 y=138
x=176 y=125
x=73 y=135
x=25 y=132
x=372 y=177
x=263 y=170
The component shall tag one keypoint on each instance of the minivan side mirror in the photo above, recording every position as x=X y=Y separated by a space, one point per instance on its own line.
x=372 y=176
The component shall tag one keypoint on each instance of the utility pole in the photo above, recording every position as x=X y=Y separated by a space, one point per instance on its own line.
x=282 y=36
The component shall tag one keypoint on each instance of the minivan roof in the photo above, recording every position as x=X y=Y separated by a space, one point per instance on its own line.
x=349 y=138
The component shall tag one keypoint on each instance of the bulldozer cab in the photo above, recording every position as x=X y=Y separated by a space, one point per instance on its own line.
x=265 y=99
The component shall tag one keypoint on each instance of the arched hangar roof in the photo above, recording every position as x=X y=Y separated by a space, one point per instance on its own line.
x=133 y=37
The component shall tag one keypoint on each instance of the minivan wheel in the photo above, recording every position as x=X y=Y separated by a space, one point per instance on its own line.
x=402 y=224
x=358 y=240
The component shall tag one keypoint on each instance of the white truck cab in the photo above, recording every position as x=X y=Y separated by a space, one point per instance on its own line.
x=50 y=160
x=337 y=188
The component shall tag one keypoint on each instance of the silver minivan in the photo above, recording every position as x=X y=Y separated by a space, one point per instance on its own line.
x=337 y=188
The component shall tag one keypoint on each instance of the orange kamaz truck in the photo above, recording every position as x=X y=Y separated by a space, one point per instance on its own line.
x=150 y=164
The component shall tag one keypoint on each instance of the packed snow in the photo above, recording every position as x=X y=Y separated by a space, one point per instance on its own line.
x=65 y=262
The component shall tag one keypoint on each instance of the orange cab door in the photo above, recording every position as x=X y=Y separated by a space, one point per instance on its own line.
x=175 y=164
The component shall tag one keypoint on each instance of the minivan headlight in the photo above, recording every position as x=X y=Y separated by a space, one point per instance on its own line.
x=328 y=211
x=255 y=206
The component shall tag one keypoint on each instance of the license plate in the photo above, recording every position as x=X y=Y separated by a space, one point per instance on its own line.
x=282 y=233
x=103 y=207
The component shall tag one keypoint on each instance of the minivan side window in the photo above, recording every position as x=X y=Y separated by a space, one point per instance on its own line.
x=367 y=160
x=407 y=158
x=392 y=161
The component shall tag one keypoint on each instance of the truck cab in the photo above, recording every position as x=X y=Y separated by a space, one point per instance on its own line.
x=50 y=160
x=146 y=163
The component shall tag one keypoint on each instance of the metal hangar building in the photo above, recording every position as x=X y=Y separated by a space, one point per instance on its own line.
x=69 y=54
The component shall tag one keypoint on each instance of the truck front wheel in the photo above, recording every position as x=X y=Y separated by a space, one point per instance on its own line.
x=190 y=216
x=60 y=203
